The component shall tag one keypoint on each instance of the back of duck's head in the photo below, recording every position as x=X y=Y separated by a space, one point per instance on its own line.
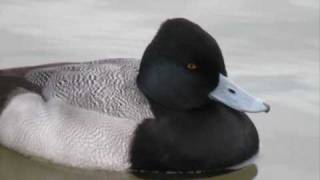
x=181 y=65
x=179 y=39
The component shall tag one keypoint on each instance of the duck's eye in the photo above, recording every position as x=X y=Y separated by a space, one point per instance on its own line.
x=192 y=66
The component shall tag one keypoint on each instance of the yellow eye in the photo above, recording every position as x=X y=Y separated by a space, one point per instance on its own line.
x=192 y=66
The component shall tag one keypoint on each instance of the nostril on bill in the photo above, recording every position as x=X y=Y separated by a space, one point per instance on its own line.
x=232 y=91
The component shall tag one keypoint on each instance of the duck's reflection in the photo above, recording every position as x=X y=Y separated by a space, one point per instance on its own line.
x=16 y=166
x=247 y=173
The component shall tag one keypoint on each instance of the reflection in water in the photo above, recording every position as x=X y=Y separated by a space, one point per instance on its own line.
x=247 y=173
x=15 y=166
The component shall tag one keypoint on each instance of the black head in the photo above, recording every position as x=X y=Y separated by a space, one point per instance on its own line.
x=181 y=66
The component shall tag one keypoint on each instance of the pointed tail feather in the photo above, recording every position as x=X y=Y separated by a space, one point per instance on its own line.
x=9 y=84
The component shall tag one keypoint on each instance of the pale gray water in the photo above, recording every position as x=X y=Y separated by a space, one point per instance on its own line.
x=271 y=48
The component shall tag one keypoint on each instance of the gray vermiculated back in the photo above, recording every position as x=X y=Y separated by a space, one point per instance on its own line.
x=107 y=86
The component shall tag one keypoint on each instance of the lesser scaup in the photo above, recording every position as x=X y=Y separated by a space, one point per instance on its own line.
x=176 y=110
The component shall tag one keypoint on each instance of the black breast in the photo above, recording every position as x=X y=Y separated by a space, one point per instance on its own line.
x=208 y=139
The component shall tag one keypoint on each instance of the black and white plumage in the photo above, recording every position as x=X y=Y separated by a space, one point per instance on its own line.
x=176 y=110
x=85 y=115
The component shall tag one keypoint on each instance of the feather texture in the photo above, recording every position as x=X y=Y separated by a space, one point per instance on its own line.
x=87 y=119
x=107 y=86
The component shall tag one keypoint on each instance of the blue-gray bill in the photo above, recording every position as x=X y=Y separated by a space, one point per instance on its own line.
x=228 y=93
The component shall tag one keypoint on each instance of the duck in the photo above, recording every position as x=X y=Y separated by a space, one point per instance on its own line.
x=175 y=110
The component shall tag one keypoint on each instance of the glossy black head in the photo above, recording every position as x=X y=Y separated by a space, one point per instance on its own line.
x=181 y=66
